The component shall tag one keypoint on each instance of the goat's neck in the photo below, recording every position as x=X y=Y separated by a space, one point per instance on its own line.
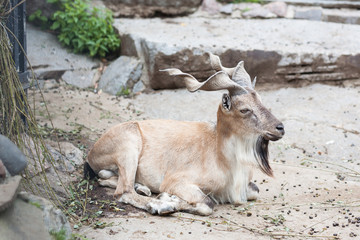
x=236 y=152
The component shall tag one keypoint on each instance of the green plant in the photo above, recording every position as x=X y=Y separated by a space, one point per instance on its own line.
x=85 y=29
x=60 y=235
x=37 y=16
x=124 y=91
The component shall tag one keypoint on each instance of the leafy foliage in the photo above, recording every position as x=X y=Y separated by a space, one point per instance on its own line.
x=84 y=29
x=39 y=17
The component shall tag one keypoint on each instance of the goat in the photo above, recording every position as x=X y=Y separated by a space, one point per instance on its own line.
x=193 y=165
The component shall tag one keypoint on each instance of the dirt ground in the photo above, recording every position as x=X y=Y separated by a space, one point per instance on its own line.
x=314 y=194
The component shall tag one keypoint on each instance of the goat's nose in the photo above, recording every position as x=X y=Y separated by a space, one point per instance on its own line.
x=280 y=128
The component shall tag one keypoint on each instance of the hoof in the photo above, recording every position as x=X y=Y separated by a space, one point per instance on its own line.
x=161 y=208
x=142 y=190
x=252 y=192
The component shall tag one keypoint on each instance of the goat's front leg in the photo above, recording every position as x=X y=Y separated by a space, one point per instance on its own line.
x=252 y=191
x=192 y=199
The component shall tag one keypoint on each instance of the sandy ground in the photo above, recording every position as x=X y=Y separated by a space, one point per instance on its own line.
x=315 y=193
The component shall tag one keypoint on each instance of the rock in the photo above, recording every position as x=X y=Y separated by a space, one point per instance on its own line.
x=47 y=9
x=140 y=8
x=138 y=87
x=323 y=3
x=11 y=156
x=211 y=6
x=71 y=153
x=245 y=6
x=278 y=8
x=348 y=16
x=309 y=13
x=54 y=219
x=82 y=78
x=66 y=156
x=276 y=50
x=227 y=9
x=2 y=170
x=8 y=190
x=259 y=12
x=50 y=60
x=236 y=13
x=32 y=217
x=290 y=13
x=121 y=74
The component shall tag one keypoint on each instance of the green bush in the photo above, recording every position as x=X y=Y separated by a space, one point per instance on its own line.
x=85 y=29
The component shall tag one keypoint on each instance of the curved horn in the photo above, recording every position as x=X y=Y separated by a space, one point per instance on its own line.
x=253 y=83
x=219 y=81
x=238 y=74
x=217 y=66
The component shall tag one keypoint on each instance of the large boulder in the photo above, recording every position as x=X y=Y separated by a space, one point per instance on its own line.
x=32 y=217
x=140 y=8
x=276 y=51
x=121 y=75
x=11 y=156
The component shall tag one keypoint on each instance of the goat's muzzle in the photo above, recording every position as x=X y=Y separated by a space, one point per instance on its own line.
x=277 y=134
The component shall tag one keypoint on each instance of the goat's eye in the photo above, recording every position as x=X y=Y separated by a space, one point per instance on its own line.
x=245 y=111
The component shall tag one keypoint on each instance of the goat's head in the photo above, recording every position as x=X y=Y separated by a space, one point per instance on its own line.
x=241 y=110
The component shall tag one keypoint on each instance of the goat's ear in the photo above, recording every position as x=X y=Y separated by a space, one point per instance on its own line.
x=226 y=102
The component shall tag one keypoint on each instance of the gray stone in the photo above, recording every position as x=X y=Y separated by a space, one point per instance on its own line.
x=66 y=156
x=138 y=87
x=323 y=3
x=236 y=13
x=71 y=153
x=140 y=8
x=32 y=217
x=82 y=78
x=245 y=6
x=309 y=13
x=50 y=60
x=8 y=190
x=275 y=50
x=11 y=156
x=259 y=12
x=121 y=74
x=348 y=16
x=211 y=6
x=2 y=170
x=278 y=8
x=227 y=9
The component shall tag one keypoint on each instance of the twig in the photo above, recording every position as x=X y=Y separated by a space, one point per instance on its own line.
x=86 y=194
x=346 y=130
x=259 y=231
x=318 y=222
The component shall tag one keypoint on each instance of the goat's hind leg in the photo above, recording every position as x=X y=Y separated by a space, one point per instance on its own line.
x=107 y=179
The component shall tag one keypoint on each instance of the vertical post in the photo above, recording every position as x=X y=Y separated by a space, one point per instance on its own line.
x=16 y=23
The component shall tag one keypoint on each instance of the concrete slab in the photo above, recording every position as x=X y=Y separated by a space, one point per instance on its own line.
x=278 y=50
x=8 y=191
x=324 y=3
x=316 y=166
x=50 y=60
